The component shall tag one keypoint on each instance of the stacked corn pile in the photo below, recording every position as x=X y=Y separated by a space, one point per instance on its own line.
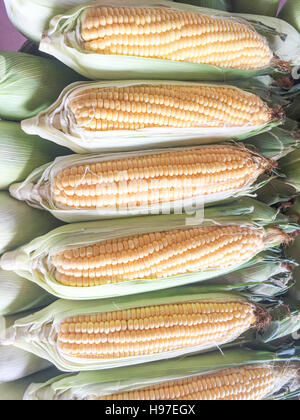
x=150 y=170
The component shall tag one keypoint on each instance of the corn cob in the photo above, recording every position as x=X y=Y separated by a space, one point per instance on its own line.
x=157 y=255
x=180 y=106
x=131 y=115
x=253 y=382
x=151 y=330
x=157 y=178
x=135 y=334
x=110 y=258
x=174 y=35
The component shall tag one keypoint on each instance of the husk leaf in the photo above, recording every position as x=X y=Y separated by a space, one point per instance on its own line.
x=29 y=84
x=21 y=153
x=20 y=223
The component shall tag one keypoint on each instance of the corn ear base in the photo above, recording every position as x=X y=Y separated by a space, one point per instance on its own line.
x=20 y=223
x=21 y=153
x=99 y=66
x=88 y=385
x=29 y=84
x=29 y=261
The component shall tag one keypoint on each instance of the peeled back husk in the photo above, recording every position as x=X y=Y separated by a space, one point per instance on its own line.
x=63 y=40
x=21 y=153
x=29 y=84
x=100 y=384
x=35 y=260
x=20 y=223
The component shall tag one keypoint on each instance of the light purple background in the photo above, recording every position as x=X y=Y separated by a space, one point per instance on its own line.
x=11 y=39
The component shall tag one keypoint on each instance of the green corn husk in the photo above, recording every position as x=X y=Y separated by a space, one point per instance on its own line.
x=291 y=13
x=63 y=41
x=211 y=4
x=20 y=223
x=267 y=274
x=32 y=261
x=276 y=191
x=21 y=153
x=18 y=294
x=258 y=7
x=29 y=84
x=276 y=143
x=58 y=124
x=92 y=385
x=38 y=332
x=290 y=97
x=290 y=167
x=293 y=251
x=14 y=390
x=38 y=190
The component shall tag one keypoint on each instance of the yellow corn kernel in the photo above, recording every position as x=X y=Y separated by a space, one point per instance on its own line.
x=167 y=105
x=154 y=329
x=134 y=182
x=245 y=383
x=157 y=255
x=174 y=35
